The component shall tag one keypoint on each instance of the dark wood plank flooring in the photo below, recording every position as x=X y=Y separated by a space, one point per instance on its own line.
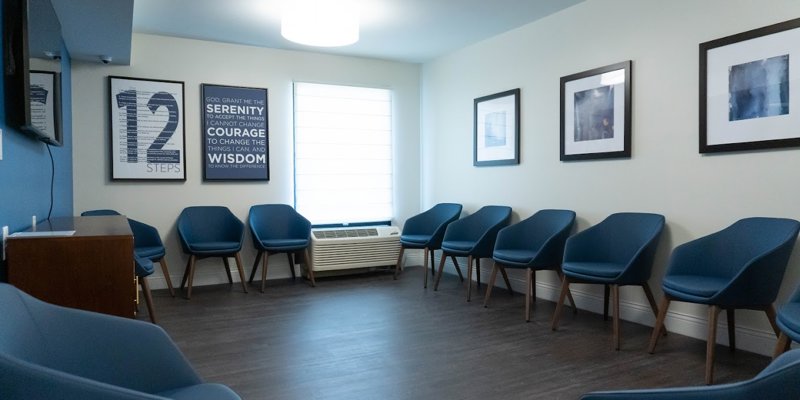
x=370 y=337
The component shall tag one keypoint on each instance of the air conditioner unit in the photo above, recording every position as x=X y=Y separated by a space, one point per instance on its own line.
x=348 y=248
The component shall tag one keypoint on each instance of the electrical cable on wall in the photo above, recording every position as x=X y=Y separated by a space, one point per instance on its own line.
x=52 y=180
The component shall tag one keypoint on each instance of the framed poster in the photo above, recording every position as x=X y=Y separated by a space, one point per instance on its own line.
x=147 y=129
x=496 y=129
x=235 y=133
x=44 y=104
x=747 y=87
x=596 y=113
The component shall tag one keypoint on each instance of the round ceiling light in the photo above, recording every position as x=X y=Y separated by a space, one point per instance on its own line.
x=323 y=23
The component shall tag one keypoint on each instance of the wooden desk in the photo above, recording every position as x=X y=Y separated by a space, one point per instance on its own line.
x=92 y=269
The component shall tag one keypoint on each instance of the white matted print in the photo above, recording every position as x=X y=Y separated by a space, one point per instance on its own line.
x=496 y=129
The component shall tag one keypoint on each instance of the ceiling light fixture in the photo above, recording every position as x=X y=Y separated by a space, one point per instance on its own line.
x=323 y=23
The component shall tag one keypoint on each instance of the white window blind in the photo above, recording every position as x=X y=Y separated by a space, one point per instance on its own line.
x=343 y=153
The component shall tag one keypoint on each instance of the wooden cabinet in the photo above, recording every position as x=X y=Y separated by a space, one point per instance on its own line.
x=91 y=269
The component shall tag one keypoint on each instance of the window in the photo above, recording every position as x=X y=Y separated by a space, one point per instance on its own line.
x=343 y=153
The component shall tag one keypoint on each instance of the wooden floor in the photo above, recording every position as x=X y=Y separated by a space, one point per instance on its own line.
x=371 y=337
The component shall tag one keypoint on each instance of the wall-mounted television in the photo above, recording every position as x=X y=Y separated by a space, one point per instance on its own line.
x=32 y=58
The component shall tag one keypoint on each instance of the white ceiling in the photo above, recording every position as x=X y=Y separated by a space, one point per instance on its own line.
x=402 y=30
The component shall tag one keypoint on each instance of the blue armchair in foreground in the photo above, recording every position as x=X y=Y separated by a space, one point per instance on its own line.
x=740 y=266
x=53 y=352
x=425 y=231
x=778 y=381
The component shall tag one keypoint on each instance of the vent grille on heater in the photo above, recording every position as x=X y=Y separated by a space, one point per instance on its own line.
x=346 y=248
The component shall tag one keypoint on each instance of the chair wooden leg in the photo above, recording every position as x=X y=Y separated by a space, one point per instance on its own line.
x=238 y=258
x=505 y=278
x=186 y=272
x=399 y=265
x=652 y=300
x=309 y=267
x=770 y=310
x=255 y=265
x=425 y=252
x=713 y=314
x=165 y=271
x=731 y=329
x=615 y=295
x=478 y=272
x=148 y=298
x=291 y=265
x=192 y=261
x=458 y=269
x=533 y=286
x=227 y=269
x=783 y=345
x=560 y=304
x=530 y=283
x=469 y=277
x=492 y=279
x=662 y=313
x=439 y=274
x=264 y=268
x=605 y=302
x=433 y=264
x=569 y=293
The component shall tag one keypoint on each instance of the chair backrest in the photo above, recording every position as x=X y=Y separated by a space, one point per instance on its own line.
x=480 y=227
x=545 y=232
x=623 y=238
x=19 y=334
x=277 y=221
x=144 y=235
x=208 y=224
x=433 y=222
x=97 y=213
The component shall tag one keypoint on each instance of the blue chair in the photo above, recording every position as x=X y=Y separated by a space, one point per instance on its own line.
x=473 y=237
x=53 y=352
x=425 y=231
x=788 y=321
x=534 y=244
x=210 y=231
x=618 y=251
x=143 y=269
x=740 y=266
x=278 y=228
x=778 y=381
x=146 y=243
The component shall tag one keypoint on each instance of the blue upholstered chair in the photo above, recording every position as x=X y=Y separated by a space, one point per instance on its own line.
x=143 y=269
x=788 y=323
x=535 y=244
x=278 y=228
x=425 y=231
x=740 y=266
x=53 y=352
x=146 y=243
x=778 y=381
x=210 y=231
x=616 y=252
x=473 y=237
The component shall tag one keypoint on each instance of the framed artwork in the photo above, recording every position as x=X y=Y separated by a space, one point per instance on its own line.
x=747 y=87
x=596 y=113
x=147 y=129
x=496 y=129
x=45 y=104
x=235 y=133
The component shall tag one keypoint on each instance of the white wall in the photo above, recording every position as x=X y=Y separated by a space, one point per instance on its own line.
x=196 y=62
x=666 y=174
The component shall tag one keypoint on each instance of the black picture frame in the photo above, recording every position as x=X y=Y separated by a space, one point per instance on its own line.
x=145 y=117
x=746 y=85
x=592 y=112
x=229 y=155
x=496 y=127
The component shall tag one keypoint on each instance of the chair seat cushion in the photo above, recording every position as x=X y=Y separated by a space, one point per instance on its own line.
x=215 y=247
x=789 y=320
x=203 y=391
x=144 y=267
x=458 y=247
x=284 y=244
x=693 y=285
x=151 y=252
x=602 y=271
x=415 y=240
x=514 y=257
